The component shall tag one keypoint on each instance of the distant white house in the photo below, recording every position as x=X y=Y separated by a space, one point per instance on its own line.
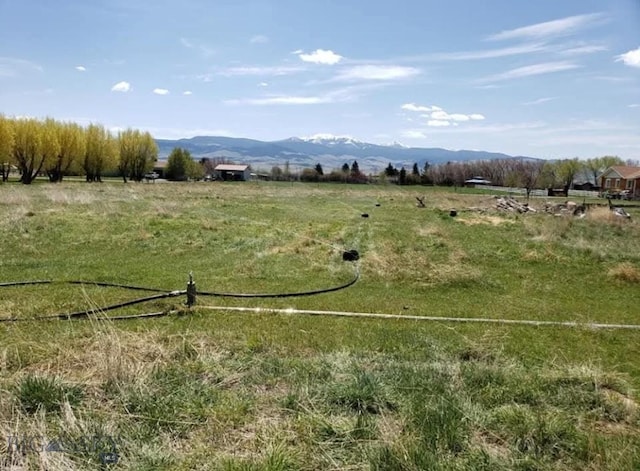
x=232 y=172
x=477 y=181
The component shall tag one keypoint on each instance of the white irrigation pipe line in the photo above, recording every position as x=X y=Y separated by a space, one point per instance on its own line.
x=588 y=325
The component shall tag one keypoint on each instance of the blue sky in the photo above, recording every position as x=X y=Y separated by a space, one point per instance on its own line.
x=549 y=78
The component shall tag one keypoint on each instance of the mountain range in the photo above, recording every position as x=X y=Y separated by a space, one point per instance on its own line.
x=330 y=151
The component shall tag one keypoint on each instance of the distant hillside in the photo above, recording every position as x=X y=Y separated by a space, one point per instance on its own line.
x=330 y=151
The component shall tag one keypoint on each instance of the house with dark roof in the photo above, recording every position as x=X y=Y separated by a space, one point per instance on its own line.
x=621 y=178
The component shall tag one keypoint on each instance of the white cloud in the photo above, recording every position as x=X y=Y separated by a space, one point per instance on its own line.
x=585 y=49
x=187 y=92
x=160 y=91
x=635 y=105
x=377 y=72
x=539 y=101
x=123 y=87
x=630 y=58
x=297 y=52
x=321 y=56
x=282 y=100
x=263 y=84
x=81 y=68
x=413 y=134
x=487 y=53
x=10 y=67
x=259 y=39
x=205 y=50
x=186 y=43
x=438 y=117
x=561 y=27
x=414 y=107
x=277 y=70
x=535 y=69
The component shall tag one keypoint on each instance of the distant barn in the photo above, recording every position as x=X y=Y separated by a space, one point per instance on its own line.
x=476 y=181
x=232 y=172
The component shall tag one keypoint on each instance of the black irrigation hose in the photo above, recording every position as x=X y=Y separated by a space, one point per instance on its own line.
x=351 y=282
x=161 y=294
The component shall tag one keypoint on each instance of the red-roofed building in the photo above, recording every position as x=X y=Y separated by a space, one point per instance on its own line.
x=621 y=178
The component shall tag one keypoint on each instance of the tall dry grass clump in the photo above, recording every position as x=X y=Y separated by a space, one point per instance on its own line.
x=625 y=272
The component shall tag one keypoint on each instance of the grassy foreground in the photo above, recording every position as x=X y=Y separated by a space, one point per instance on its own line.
x=237 y=391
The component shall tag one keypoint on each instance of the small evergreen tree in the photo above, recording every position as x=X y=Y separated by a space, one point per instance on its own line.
x=402 y=177
x=390 y=171
x=319 y=169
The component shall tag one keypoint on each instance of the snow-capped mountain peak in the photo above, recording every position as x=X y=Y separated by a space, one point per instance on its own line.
x=397 y=145
x=330 y=140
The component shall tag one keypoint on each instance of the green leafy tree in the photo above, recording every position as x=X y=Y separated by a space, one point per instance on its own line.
x=195 y=171
x=179 y=164
x=309 y=175
x=6 y=147
x=138 y=152
x=71 y=148
x=35 y=145
x=567 y=170
x=276 y=173
x=598 y=165
x=100 y=153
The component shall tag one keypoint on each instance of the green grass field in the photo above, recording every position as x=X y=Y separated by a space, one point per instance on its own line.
x=211 y=389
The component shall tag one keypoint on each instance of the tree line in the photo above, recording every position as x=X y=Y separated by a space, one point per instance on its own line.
x=57 y=149
x=524 y=173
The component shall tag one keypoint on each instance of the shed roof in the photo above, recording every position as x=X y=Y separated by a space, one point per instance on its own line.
x=231 y=168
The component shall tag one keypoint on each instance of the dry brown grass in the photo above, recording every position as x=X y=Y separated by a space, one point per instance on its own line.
x=484 y=219
x=625 y=272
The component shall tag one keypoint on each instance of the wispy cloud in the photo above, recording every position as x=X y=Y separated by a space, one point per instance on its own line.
x=539 y=101
x=376 y=72
x=204 y=49
x=259 y=39
x=81 y=68
x=186 y=43
x=281 y=100
x=413 y=134
x=187 y=92
x=343 y=94
x=437 y=117
x=257 y=70
x=634 y=105
x=160 y=91
x=630 y=58
x=584 y=49
x=321 y=56
x=486 y=53
x=535 y=69
x=548 y=29
x=438 y=123
x=419 y=108
x=123 y=87
x=10 y=67
x=263 y=84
